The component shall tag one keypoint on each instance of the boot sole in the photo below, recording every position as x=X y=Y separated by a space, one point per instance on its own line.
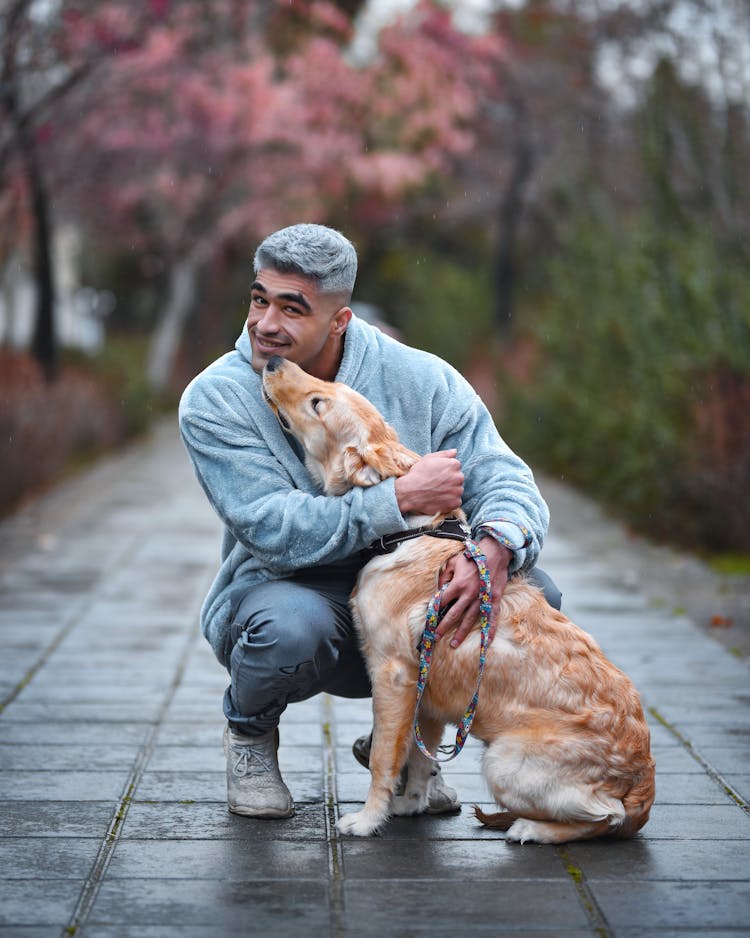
x=270 y=813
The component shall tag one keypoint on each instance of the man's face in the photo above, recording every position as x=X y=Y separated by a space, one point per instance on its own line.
x=290 y=318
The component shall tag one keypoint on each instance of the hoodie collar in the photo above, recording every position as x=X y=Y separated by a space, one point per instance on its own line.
x=355 y=342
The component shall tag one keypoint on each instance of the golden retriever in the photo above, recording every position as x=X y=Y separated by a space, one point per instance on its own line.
x=567 y=754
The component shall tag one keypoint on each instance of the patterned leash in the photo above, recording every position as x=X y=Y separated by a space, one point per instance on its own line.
x=426 y=646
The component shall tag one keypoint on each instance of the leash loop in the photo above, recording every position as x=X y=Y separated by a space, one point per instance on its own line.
x=426 y=647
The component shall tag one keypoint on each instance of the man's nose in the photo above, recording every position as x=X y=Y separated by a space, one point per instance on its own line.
x=269 y=321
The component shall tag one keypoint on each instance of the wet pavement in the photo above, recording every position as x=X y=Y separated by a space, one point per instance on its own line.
x=112 y=796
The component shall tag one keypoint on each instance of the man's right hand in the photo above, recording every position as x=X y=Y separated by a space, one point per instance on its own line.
x=434 y=485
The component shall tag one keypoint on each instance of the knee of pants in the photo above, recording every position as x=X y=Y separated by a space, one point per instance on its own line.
x=281 y=630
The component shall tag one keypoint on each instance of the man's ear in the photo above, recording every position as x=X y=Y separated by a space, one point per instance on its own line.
x=357 y=470
x=341 y=320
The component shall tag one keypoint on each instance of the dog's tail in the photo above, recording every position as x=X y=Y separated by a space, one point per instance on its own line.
x=500 y=821
x=638 y=801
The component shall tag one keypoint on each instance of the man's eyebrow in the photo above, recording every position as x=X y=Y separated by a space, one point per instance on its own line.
x=292 y=297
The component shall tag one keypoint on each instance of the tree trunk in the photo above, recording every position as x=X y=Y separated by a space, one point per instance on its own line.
x=44 y=342
x=166 y=339
x=509 y=219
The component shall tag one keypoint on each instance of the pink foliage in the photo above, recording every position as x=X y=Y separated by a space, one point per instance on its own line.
x=198 y=133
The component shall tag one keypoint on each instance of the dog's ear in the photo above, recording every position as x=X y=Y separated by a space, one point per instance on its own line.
x=389 y=458
x=376 y=461
x=358 y=470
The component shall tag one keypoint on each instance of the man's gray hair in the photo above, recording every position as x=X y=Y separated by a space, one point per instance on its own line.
x=315 y=251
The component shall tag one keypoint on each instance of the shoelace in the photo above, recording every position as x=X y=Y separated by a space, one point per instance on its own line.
x=426 y=646
x=243 y=767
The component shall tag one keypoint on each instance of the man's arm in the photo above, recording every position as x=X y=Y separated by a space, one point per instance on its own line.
x=507 y=512
x=433 y=486
x=264 y=508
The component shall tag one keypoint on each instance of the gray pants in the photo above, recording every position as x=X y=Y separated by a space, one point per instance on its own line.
x=293 y=638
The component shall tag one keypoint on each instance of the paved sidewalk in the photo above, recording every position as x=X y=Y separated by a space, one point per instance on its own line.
x=113 y=818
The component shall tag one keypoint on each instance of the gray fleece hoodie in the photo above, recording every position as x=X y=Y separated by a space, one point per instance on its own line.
x=277 y=521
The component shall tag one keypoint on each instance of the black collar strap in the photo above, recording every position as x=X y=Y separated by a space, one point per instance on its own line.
x=451 y=528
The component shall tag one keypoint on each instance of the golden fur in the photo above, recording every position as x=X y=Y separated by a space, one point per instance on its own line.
x=567 y=746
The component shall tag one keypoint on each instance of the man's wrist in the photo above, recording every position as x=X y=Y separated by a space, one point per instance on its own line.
x=403 y=496
x=496 y=552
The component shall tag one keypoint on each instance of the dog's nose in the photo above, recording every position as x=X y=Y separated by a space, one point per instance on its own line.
x=273 y=363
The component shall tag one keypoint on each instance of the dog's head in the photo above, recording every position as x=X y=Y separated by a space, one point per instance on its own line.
x=346 y=440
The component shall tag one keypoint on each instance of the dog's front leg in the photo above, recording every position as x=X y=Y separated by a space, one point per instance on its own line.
x=393 y=698
x=421 y=770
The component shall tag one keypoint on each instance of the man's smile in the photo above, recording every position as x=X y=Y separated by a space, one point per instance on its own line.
x=265 y=344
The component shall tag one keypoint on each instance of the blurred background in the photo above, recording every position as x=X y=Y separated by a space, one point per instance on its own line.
x=554 y=196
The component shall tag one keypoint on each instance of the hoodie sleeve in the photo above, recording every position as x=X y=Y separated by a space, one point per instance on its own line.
x=501 y=498
x=255 y=494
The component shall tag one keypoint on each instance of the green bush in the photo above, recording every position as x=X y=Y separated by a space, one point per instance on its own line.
x=438 y=301
x=641 y=392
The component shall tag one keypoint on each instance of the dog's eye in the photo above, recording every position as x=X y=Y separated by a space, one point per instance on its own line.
x=315 y=403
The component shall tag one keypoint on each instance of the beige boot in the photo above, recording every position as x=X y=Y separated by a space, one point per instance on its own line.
x=255 y=787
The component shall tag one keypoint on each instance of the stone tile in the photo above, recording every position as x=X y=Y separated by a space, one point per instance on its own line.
x=740 y=784
x=229 y=860
x=301 y=906
x=683 y=906
x=731 y=735
x=36 y=757
x=733 y=761
x=61 y=694
x=62 y=786
x=446 y=907
x=651 y=861
x=47 y=857
x=72 y=733
x=672 y=760
x=704 y=932
x=473 y=861
x=690 y=789
x=37 y=902
x=716 y=714
x=696 y=822
x=56 y=818
x=213 y=821
x=94 y=712
x=160 y=931
x=207 y=733
x=29 y=931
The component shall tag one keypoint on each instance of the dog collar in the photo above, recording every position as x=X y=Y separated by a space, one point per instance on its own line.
x=452 y=528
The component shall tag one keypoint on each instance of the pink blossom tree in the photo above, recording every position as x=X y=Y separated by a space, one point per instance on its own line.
x=208 y=140
x=48 y=53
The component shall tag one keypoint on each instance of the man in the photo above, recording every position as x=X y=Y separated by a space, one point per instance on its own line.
x=277 y=613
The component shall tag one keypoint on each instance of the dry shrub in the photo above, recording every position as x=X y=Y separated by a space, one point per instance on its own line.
x=45 y=427
x=718 y=464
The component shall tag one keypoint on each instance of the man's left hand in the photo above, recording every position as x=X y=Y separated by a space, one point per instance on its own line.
x=461 y=596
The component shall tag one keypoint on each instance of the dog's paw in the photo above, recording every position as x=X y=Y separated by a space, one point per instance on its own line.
x=525 y=831
x=410 y=803
x=359 y=824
